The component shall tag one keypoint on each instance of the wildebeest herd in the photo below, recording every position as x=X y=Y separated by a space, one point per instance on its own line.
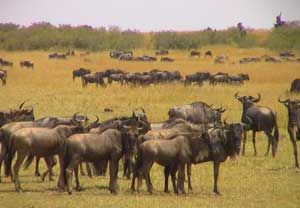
x=194 y=133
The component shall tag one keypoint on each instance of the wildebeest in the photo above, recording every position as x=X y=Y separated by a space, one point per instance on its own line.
x=162 y=52
x=238 y=79
x=47 y=122
x=197 y=77
x=80 y=72
x=26 y=64
x=40 y=142
x=4 y=62
x=177 y=152
x=197 y=113
x=295 y=86
x=119 y=78
x=52 y=55
x=248 y=60
x=117 y=54
x=195 y=53
x=219 y=78
x=93 y=78
x=3 y=76
x=286 y=54
x=208 y=53
x=109 y=145
x=21 y=114
x=260 y=119
x=167 y=59
x=221 y=59
x=293 y=107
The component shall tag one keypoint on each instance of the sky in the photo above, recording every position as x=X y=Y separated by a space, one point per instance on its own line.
x=151 y=15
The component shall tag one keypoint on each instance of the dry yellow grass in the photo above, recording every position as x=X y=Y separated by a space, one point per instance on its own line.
x=249 y=182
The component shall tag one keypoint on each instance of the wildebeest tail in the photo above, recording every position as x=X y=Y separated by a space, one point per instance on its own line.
x=276 y=131
x=28 y=161
x=10 y=157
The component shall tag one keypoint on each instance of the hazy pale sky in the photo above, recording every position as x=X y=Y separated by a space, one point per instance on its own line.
x=151 y=15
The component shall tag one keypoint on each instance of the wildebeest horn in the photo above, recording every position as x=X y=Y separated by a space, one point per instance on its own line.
x=74 y=117
x=236 y=95
x=143 y=110
x=283 y=101
x=224 y=121
x=97 y=119
x=144 y=125
x=210 y=105
x=125 y=126
x=21 y=105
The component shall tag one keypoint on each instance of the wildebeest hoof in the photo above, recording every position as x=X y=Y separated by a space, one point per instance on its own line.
x=79 y=188
x=37 y=174
x=69 y=192
x=166 y=191
x=51 y=179
x=217 y=193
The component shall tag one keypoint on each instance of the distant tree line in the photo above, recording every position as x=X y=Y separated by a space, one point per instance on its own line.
x=44 y=36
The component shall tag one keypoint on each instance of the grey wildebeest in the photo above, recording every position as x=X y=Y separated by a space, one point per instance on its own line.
x=110 y=145
x=293 y=107
x=161 y=52
x=93 y=78
x=195 y=53
x=177 y=127
x=260 y=119
x=40 y=142
x=197 y=113
x=175 y=153
x=4 y=62
x=80 y=72
x=198 y=77
x=26 y=64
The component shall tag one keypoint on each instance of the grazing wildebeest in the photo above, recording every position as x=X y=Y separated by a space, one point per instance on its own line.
x=293 y=107
x=26 y=64
x=197 y=113
x=197 y=77
x=41 y=142
x=260 y=119
x=195 y=53
x=167 y=59
x=272 y=59
x=286 y=54
x=119 y=78
x=61 y=56
x=80 y=72
x=208 y=53
x=237 y=79
x=175 y=153
x=93 y=78
x=52 y=55
x=5 y=63
x=109 y=145
x=221 y=59
x=162 y=52
x=220 y=78
x=3 y=76
x=295 y=86
x=117 y=54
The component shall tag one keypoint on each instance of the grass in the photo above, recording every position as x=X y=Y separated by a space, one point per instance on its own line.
x=248 y=182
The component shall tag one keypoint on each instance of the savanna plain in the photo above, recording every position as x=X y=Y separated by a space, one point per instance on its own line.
x=249 y=181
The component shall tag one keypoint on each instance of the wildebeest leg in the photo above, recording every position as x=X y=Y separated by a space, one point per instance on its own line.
x=268 y=149
x=53 y=161
x=253 y=140
x=167 y=171
x=181 y=178
x=88 y=170
x=293 y=140
x=78 y=187
x=271 y=140
x=113 y=174
x=216 y=175
x=37 y=161
x=173 y=177
x=20 y=158
x=132 y=186
x=81 y=170
x=50 y=164
x=244 y=142
x=69 y=172
x=2 y=156
x=62 y=176
x=189 y=174
x=146 y=172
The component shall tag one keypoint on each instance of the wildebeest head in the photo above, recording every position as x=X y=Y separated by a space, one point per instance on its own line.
x=130 y=134
x=218 y=114
x=293 y=107
x=141 y=117
x=234 y=134
x=22 y=114
x=247 y=101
